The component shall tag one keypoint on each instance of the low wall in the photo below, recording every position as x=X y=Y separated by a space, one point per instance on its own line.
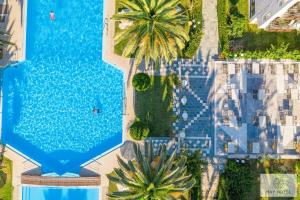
x=60 y=181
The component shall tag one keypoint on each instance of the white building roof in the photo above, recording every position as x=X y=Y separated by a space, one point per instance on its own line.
x=268 y=10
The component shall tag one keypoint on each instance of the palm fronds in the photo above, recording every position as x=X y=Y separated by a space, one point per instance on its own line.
x=157 y=31
x=149 y=176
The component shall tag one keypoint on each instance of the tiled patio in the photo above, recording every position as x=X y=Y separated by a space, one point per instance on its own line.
x=254 y=108
x=194 y=126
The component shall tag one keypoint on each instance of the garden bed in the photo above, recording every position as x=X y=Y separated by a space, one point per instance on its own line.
x=238 y=37
x=6 y=180
x=242 y=181
x=155 y=106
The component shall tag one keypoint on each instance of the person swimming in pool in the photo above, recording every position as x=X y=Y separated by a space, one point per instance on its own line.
x=52 y=15
x=96 y=110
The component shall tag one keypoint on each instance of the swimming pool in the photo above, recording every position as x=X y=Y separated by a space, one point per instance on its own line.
x=59 y=193
x=48 y=99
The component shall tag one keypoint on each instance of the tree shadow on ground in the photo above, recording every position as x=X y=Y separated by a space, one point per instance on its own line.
x=155 y=106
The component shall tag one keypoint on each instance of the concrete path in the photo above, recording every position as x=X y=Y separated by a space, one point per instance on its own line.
x=208 y=51
x=210 y=181
x=20 y=165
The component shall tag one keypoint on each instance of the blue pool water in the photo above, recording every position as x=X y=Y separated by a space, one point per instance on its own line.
x=59 y=193
x=48 y=99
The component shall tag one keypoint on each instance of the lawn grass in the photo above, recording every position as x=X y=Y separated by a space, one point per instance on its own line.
x=253 y=39
x=155 y=106
x=6 y=173
x=269 y=166
x=256 y=167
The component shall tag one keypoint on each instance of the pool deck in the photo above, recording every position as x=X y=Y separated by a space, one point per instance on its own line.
x=20 y=165
x=105 y=164
x=15 y=26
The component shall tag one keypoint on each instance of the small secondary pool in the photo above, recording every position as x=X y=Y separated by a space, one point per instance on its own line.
x=48 y=99
x=59 y=193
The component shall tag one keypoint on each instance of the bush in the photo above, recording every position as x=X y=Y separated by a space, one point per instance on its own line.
x=195 y=33
x=3 y=177
x=237 y=27
x=236 y=181
x=223 y=27
x=139 y=130
x=195 y=166
x=141 y=82
x=274 y=52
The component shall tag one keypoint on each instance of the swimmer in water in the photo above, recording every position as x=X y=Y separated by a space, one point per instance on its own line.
x=52 y=15
x=96 y=110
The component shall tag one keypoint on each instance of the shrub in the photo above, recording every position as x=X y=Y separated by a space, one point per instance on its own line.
x=195 y=166
x=3 y=178
x=274 y=52
x=237 y=27
x=223 y=27
x=195 y=33
x=236 y=181
x=141 y=82
x=139 y=130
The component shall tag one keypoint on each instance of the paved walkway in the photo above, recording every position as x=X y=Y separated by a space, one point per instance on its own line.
x=209 y=44
x=20 y=165
x=207 y=52
x=210 y=181
x=14 y=24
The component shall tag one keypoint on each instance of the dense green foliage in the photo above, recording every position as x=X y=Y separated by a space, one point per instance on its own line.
x=223 y=29
x=275 y=52
x=141 y=82
x=236 y=181
x=195 y=167
x=151 y=176
x=157 y=31
x=195 y=14
x=6 y=187
x=237 y=37
x=261 y=40
x=237 y=176
x=139 y=130
x=194 y=27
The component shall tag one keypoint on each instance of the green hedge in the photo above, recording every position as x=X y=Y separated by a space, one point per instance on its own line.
x=141 y=82
x=195 y=33
x=274 y=52
x=195 y=167
x=139 y=130
x=236 y=181
x=222 y=8
x=261 y=40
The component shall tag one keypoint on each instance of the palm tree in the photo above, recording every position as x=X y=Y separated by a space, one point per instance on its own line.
x=151 y=177
x=157 y=31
